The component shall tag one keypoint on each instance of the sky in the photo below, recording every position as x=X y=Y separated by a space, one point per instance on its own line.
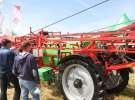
x=40 y=13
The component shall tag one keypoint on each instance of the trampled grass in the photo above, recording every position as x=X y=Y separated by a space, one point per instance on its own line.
x=49 y=93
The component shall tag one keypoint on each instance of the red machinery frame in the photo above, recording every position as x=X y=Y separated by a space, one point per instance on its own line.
x=113 y=40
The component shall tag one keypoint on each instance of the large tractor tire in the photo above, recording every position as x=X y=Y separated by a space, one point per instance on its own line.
x=80 y=81
x=117 y=82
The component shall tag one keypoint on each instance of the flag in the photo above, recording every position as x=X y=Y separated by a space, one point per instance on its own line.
x=17 y=7
x=16 y=19
x=16 y=13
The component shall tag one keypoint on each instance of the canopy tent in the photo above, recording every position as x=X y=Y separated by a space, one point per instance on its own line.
x=122 y=22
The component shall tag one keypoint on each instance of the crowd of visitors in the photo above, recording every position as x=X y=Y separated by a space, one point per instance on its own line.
x=18 y=67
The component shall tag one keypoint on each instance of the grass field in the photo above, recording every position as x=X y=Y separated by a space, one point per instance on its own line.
x=48 y=92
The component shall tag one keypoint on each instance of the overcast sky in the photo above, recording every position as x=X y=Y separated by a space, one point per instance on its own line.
x=39 y=13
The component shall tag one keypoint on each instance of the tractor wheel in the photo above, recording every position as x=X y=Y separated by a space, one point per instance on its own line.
x=117 y=82
x=80 y=81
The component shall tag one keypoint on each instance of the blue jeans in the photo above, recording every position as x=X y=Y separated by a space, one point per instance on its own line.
x=26 y=87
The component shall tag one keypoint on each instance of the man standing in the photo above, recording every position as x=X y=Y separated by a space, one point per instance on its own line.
x=25 y=68
x=6 y=62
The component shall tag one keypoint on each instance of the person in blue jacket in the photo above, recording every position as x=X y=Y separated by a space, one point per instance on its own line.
x=6 y=64
x=25 y=68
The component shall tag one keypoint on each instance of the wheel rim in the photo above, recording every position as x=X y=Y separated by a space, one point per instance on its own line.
x=77 y=83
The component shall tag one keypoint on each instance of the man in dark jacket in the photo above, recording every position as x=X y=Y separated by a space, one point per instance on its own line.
x=25 y=68
x=6 y=62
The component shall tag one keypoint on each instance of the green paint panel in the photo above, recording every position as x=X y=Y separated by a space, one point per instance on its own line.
x=56 y=60
x=45 y=73
x=50 y=51
x=46 y=60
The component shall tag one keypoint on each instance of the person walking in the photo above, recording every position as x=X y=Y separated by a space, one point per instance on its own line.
x=25 y=68
x=6 y=62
